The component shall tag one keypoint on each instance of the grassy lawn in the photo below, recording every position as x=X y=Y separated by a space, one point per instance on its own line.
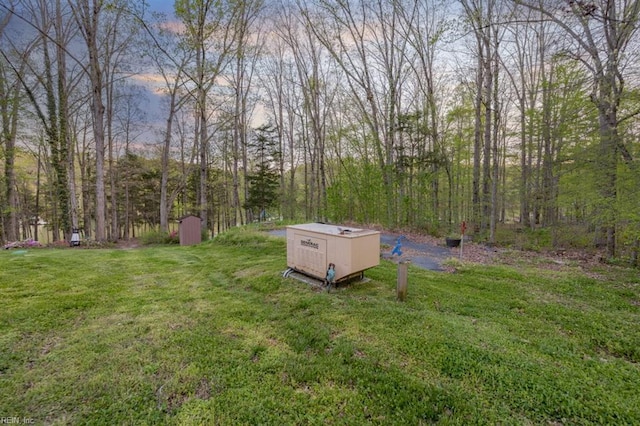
x=213 y=334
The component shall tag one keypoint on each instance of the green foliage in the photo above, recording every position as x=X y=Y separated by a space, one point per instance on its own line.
x=357 y=193
x=244 y=237
x=264 y=179
x=159 y=237
x=212 y=334
x=139 y=179
x=567 y=236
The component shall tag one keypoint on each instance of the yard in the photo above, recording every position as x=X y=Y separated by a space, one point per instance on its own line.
x=213 y=334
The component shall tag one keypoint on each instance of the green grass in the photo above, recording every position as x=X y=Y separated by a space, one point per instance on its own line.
x=213 y=334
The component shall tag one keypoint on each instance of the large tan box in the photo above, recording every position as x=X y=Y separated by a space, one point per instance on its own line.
x=312 y=246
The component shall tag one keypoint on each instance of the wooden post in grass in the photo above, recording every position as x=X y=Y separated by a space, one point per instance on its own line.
x=401 y=287
x=463 y=228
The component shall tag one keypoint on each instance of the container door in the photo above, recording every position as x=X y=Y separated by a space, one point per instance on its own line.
x=310 y=254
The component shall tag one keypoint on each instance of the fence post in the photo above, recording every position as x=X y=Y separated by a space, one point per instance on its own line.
x=401 y=287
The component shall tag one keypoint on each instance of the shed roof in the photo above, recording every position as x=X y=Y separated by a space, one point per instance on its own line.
x=188 y=216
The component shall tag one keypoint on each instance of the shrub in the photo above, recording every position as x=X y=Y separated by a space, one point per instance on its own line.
x=28 y=243
x=160 y=237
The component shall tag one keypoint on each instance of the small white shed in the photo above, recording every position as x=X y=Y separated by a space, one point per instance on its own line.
x=312 y=247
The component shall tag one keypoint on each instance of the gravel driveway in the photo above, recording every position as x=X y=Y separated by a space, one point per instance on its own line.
x=421 y=254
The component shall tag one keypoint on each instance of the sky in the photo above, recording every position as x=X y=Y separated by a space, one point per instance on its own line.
x=164 y=6
x=152 y=102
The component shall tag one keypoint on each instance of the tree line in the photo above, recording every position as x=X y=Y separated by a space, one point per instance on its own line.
x=408 y=114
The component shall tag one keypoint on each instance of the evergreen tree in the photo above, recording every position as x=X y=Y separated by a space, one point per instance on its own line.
x=264 y=178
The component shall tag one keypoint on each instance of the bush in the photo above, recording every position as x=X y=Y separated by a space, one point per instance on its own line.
x=159 y=237
x=28 y=243
x=240 y=236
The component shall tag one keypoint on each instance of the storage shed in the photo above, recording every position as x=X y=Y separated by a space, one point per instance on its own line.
x=312 y=247
x=189 y=230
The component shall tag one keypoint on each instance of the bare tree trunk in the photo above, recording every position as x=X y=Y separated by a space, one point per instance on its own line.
x=83 y=153
x=203 y=144
x=477 y=142
x=245 y=55
x=548 y=198
x=487 y=142
x=9 y=112
x=495 y=119
x=525 y=215
x=66 y=139
x=36 y=212
x=235 y=205
x=475 y=14
x=112 y=170
x=166 y=149
x=87 y=14
x=9 y=230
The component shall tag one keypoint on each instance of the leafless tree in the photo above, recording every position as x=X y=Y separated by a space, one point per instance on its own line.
x=210 y=32
x=483 y=18
x=247 y=48
x=425 y=25
x=363 y=39
x=88 y=15
x=283 y=101
x=171 y=60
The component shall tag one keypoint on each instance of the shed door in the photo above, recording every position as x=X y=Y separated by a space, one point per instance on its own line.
x=311 y=254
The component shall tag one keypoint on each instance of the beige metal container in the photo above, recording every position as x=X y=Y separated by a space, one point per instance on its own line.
x=312 y=247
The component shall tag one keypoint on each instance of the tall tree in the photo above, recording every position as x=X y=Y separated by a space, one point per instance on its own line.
x=210 y=32
x=10 y=104
x=263 y=179
x=173 y=78
x=601 y=32
x=88 y=15
x=52 y=37
x=482 y=17
x=246 y=51
x=425 y=26
x=282 y=100
x=528 y=41
x=118 y=42
x=362 y=37
x=314 y=75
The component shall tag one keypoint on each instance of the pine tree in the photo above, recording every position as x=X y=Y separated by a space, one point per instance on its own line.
x=264 y=179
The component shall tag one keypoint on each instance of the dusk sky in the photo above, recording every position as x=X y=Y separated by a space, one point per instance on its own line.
x=164 y=6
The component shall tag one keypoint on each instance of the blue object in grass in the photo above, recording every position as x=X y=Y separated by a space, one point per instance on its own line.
x=331 y=273
x=398 y=248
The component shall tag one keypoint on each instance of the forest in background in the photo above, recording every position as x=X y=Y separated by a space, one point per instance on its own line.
x=519 y=114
